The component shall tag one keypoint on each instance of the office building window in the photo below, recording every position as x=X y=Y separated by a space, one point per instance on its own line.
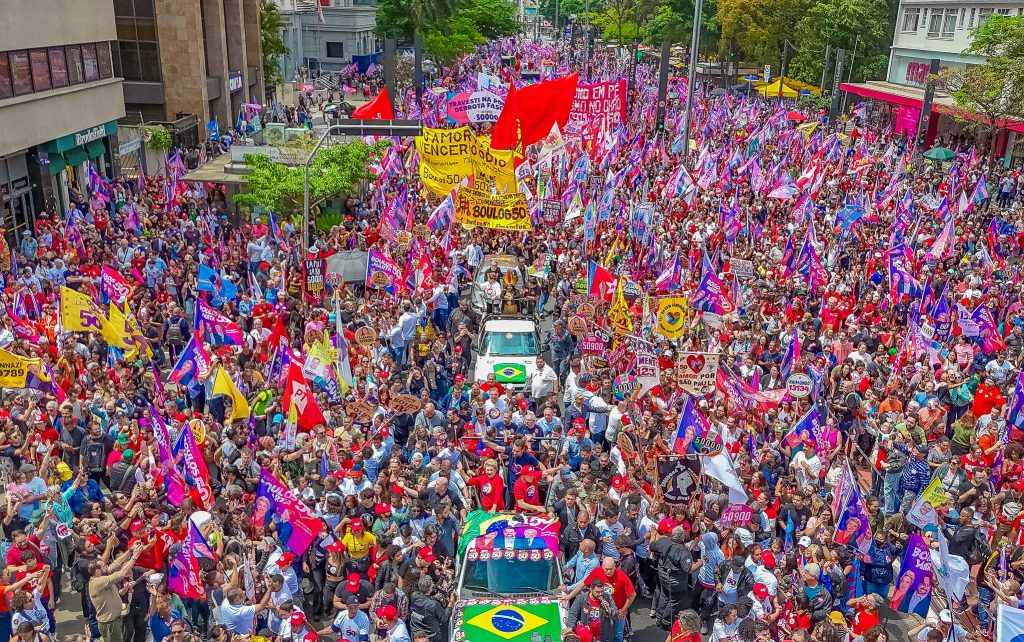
x=984 y=13
x=949 y=23
x=58 y=67
x=6 y=86
x=76 y=73
x=911 y=17
x=135 y=52
x=335 y=49
x=92 y=66
x=963 y=16
x=935 y=23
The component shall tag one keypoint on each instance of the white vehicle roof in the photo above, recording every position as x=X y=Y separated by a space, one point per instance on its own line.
x=509 y=325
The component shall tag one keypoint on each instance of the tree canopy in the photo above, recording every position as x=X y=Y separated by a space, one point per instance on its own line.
x=273 y=46
x=450 y=28
x=335 y=170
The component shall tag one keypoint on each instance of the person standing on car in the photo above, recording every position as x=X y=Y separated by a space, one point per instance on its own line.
x=561 y=344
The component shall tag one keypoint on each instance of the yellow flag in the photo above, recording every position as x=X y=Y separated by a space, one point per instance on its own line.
x=14 y=369
x=611 y=252
x=223 y=385
x=807 y=129
x=120 y=324
x=78 y=313
x=619 y=318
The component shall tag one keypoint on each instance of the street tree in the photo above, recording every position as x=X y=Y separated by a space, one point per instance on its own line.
x=335 y=170
x=862 y=27
x=272 y=44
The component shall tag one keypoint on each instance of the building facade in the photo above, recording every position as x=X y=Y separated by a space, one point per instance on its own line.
x=928 y=30
x=188 y=58
x=60 y=100
x=346 y=33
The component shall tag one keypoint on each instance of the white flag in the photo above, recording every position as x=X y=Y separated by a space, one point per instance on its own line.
x=720 y=467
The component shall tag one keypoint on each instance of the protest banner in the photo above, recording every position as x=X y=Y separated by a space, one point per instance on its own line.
x=483 y=107
x=445 y=158
x=381 y=272
x=922 y=513
x=697 y=372
x=799 y=385
x=14 y=370
x=677 y=478
x=492 y=166
x=597 y=106
x=742 y=268
x=592 y=345
x=672 y=317
x=479 y=208
x=913 y=592
x=314 y=279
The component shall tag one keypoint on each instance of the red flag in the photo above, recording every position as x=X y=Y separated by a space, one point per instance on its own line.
x=278 y=334
x=378 y=107
x=297 y=390
x=529 y=113
x=602 y=282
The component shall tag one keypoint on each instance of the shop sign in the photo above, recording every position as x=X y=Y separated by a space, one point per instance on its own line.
x=235 y=82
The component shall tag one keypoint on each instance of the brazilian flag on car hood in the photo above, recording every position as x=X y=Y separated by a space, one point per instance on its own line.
x=520 y=622
x=510 y=373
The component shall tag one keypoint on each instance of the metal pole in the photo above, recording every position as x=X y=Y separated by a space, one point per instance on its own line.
x=849 y=74
x=824 y=68
x=558 y=34
x=692 y=75
x=417 y=82
x=782 y=75
x=659 y=123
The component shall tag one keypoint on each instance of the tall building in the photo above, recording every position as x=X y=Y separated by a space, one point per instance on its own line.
x=928 y=30
x=60 y=100
x=188 y=58
x=337 y=34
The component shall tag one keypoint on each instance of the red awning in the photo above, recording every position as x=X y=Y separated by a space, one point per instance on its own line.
x=877 y=94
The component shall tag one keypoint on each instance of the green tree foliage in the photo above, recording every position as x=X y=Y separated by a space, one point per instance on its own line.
x=566 y=8
x=449 y=28
x=273 y=46
x=672 y=20
x=861 y=25
x=994 y=89
x=335 y=170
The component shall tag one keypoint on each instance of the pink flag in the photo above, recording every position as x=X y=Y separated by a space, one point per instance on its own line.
x=194 y=467
x=115 y=285
x=172 y=479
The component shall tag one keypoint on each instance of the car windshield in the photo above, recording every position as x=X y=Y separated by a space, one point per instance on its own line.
x=508 y=344
x=509 y=576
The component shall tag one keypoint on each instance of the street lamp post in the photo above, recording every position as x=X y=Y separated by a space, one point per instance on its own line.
x=305 y=185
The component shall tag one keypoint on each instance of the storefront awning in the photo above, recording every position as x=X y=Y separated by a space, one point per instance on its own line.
x=886 y=92
x=57 y=163
x=95 y=148
x=76 y=156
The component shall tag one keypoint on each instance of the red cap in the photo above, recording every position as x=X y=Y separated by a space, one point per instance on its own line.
x=397 y=490
x=618 y=482
x=180 y=416
x=426 y=555
x=487 y=453
x=579 y=421
x=310 y=637
x=584 y=633
x=1019 y=484
x=761 y=591
x=768 y=559
x=285 y=560
x=336 y=546
x=524 y=404
x=40 y=418
x=666 y=526
x=387 y=612
x=298 y=618
x=458 y=348
x=136 y=525
x=357 y=524
x=380 y=509
x=353 y=581
x=459 y=378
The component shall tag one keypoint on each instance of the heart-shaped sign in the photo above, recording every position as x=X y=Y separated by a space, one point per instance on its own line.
x=695 y=362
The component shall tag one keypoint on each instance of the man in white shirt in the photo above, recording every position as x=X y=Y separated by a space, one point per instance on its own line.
x=543 y=382
x=806 y=465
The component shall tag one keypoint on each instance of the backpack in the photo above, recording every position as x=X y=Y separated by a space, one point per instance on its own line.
x=175 y=335
x=93 y=457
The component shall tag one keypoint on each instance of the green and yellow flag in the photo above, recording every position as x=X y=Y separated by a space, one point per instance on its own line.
x=510 y=373
x=510 y=622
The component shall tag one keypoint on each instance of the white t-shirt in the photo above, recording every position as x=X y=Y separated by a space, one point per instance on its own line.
x=237 y=619
x=543 y=383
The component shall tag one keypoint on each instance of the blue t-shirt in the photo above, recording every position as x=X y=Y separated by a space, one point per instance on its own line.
x=515 y=464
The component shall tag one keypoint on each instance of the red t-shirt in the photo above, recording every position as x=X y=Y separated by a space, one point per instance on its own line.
x=594 y=618
x=677 y=634
x=862 y=621
x=492 y=491
x=622 y=587
x=151 y=558
x=527 y=491
x=44 y=589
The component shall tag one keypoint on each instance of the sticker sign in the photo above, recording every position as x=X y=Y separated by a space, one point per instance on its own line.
x=799 y=385
x=577 y=326
x=736 y=515
x=697 y=372
x=316 y=279
x=592 y=345
x=366 y=336
x=406 y=403
x=624 y=387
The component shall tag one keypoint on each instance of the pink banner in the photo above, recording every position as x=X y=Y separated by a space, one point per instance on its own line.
x=906 y=119
x=597 y=105
x=457 y=106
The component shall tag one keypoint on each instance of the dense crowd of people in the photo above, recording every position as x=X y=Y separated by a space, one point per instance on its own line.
x=860 y=432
